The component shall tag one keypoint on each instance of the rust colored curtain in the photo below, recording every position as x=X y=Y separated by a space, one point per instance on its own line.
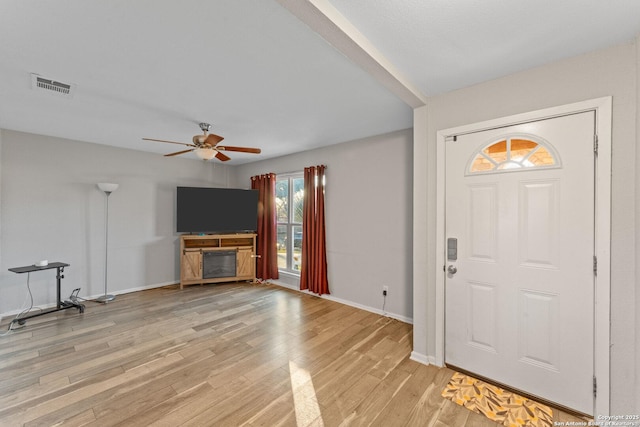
x=266 y=241
x=313 y=274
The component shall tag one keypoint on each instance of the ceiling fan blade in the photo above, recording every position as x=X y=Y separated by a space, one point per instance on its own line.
x=222 y=157
x=179 y=152
x=171 y=142
x=239 y=149
x=212 y=139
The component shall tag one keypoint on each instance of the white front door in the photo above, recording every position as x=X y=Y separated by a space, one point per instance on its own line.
x=520 y=232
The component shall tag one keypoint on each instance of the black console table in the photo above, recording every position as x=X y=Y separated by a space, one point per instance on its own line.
x=60 y=305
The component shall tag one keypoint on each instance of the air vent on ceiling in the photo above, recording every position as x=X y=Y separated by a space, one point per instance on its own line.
x=51 y=86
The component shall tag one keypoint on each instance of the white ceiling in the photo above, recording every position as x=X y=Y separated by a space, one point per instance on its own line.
x=258 y=71
x=443 y=45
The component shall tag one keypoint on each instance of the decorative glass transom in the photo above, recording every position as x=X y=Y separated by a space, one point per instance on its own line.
x=513 y=153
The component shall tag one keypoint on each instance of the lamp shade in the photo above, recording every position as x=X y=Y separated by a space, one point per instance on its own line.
x=107 y=187
x=205 y=153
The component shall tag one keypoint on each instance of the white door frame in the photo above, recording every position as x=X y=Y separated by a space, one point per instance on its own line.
x=602 y=108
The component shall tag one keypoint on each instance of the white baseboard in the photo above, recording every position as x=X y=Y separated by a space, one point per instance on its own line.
x=423 y=358
x=12 y=313
x=399 y=317
x=140 y=288
x=136 y=289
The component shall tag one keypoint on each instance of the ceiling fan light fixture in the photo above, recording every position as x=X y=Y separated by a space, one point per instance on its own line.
x=206 y=146
x=205 y=153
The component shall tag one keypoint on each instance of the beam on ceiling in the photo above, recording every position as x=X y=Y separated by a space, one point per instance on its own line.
x=330 y=24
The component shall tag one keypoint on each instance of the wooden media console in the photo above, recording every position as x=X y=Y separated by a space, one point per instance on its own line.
x=215 y=258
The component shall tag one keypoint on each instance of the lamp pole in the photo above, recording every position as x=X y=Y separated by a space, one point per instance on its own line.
x=107 y=188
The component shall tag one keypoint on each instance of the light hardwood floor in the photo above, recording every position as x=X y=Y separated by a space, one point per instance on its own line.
x=220 y=355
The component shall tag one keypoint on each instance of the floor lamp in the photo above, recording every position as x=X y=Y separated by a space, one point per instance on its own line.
x=107 y=188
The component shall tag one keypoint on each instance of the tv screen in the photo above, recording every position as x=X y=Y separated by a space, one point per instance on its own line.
x=216 y=210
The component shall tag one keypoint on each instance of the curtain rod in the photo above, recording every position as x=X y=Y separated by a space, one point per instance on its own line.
x=296 y=172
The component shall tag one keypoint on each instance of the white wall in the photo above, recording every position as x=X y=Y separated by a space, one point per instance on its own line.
x=368 y=217
x=1 y=199
x=1 y=133
x=609 y=72
x=423 y=233
x=637 y=226
x=51 y=209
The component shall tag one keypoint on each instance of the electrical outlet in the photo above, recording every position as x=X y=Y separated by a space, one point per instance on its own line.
x=385 y=290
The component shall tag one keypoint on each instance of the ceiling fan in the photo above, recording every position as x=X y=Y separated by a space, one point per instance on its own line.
x=206 y=146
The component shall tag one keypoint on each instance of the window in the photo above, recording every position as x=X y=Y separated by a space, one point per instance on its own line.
x=289 y=200
x=510 y=153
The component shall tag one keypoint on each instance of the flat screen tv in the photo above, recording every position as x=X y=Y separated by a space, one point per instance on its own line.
x=216 y=210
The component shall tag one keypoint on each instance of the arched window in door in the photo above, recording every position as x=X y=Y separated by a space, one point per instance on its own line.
x=511 y=153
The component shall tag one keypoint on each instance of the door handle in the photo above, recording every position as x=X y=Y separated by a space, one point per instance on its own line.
x=452 y=269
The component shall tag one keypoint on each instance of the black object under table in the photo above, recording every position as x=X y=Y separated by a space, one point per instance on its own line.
x=60 y=305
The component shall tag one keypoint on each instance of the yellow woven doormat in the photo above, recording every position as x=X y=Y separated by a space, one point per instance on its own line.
x=497 y=404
